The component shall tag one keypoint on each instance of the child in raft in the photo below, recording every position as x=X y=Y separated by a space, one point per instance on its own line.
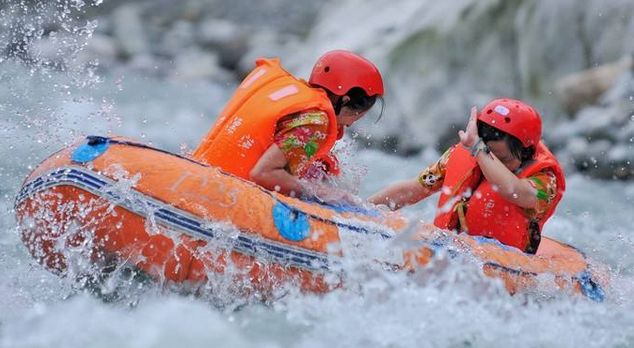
x=500 y=181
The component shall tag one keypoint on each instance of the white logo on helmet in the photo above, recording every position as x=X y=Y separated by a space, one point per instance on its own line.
x=502 y=110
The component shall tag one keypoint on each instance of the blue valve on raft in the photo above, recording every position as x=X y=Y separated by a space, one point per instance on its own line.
x=291 y=223
x=94 y=147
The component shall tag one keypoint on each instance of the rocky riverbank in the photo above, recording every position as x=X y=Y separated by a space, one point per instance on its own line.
x=438 y=58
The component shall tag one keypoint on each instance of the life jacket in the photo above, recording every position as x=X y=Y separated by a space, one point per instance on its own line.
x=246 y=127
x=469 y=203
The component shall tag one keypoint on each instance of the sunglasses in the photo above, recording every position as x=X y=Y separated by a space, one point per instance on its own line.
x=488 y=133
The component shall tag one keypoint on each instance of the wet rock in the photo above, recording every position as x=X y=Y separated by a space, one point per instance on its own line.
x=586 y=87
x=195 y=64
x=179 y=37
x=270 y=44
x=227 y=38
x=578 y=147
x=148 y=64
x=594 y=159
x=602 y=159
x=620 y=153
x=622 y=90
x=599 y=122
x=128 y=29
x=593 y=122
x=437 y=56
x=621 y=159
x=625 y=134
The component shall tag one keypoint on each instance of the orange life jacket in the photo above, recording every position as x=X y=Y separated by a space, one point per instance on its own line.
x=488 y=213
x=246 y=127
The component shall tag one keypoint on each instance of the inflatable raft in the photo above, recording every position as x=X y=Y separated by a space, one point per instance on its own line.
x=178 y=220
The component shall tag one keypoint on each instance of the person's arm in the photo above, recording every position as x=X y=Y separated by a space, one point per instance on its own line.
x=295 y=141
x=270 y=173
x=401 y=194
x=412 y=191
x=510 y=187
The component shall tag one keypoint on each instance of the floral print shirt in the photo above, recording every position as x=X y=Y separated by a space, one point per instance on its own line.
x=545 y=182
x=299 y=136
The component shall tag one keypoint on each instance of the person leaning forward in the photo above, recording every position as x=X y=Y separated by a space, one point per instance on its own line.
x=278 y=129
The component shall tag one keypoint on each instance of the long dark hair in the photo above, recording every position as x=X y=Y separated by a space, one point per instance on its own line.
x=490 y=133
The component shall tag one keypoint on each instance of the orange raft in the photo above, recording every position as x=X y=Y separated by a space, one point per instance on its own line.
x=182 y=221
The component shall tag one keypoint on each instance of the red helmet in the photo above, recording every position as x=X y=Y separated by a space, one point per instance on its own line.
x=339 y=71
x=515 y=118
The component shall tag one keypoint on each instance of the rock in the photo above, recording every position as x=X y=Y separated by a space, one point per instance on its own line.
x=626 y=133
x=598 y=122
x=578 y=147
x=586 y=87
x=267 y=43
x=622 y=90
x=225 y=37
x=195 y=64
x=602 y=159
x=437 y=56
x=129 y=30
x=620 y=153
x=593 y=159
x=621 y=160
x=148 y=64
x=180 y=37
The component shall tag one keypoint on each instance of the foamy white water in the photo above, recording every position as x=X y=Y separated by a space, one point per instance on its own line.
x=458 y=307
x=43 y=110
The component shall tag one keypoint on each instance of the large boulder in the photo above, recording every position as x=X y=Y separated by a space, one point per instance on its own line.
x=441 y=57
x=586 y=87
x=599 y=141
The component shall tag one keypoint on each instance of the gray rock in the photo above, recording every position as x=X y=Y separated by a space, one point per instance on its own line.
x=620 y=153
x=180 y=37
x=219 y=32
x=267 y=43
x=225 y=37
x=195 y=64
x=586 y=87
x=626 y=133
x=594 y=159
x=603 y=159
x=436 y=56
x=147 y=64
x=596 y=120
x=623 y=89
x=621 y=161
x=129 y=30
x=578 y=147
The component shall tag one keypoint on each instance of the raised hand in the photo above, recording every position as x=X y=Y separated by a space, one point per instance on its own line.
x=468 y=137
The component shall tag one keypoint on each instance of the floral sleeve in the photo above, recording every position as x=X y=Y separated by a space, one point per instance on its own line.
x=299 y=136
x=433 y=177
x=545 y=182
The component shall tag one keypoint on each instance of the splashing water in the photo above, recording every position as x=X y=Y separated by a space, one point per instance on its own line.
x=52 y=96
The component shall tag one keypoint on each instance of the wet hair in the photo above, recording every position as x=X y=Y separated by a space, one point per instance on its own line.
x=359 y=101
x=517 y=149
